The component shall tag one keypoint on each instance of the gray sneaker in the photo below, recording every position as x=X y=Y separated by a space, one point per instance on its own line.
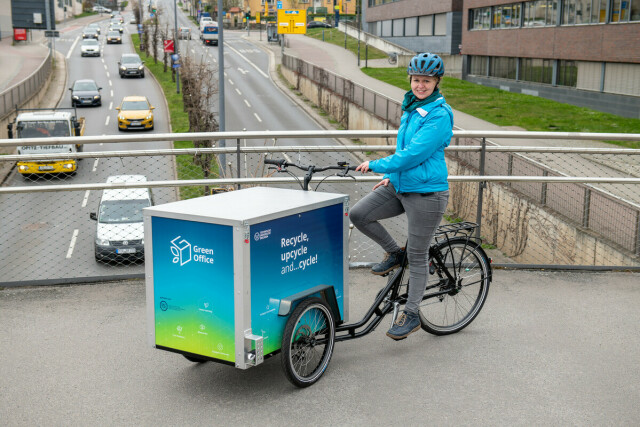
x=405 y=324
x=390 y=262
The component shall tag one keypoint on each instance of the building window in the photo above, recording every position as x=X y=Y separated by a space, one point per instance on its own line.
x=480 y=18
x=567 y=73
x=398 y=27
x=425 y=25
x=411 y=26
x=478 y=65
x=503 y=67
x=536 y=70
x=440 y=24
x=635 y=11
x=386 y=29
x=541 y=13
x=599 y=11
x=620 y=11
x=506 y=16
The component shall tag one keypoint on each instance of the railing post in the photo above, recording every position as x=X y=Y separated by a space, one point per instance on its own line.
x=587 y=207
x=481 y=186
x=543 y=195
x=637 y=232
x=238 y=161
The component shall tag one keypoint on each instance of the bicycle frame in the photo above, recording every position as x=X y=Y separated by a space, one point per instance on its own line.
x=390 y=294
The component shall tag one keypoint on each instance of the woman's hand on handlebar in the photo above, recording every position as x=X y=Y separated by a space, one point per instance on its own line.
x=384 y=182
x=363 y=167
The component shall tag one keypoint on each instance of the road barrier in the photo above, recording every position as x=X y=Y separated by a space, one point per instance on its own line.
x=551 y=207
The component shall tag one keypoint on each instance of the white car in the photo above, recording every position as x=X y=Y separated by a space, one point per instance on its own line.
x=120 y=228
x=101 y=9
x=90 y=47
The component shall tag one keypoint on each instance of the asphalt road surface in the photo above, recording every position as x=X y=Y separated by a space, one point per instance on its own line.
x=548 y=348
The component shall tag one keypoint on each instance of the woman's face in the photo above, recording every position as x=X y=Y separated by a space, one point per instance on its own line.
x=423 y=86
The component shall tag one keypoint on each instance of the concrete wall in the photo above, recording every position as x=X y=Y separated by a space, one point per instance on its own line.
x=526 y=232
x=523 y=230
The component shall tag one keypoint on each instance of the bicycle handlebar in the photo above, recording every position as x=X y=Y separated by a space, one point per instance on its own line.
x=282 y=164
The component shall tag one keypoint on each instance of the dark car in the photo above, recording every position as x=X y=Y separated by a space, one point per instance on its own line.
x=114 y=36
x=89 y=33
x=130 y=64
x=318 y=24
x=85 y=92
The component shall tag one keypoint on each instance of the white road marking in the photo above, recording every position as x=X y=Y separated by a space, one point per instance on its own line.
x=102 y=59
x=257 y=117
x=86 y=199
x=73 y=243
x=108 y=75
x=193 y=51
x=245 y=58
x=106 y=122
x=105 y=67
x=111 y=106
x=247 y=102
x=95 y=165
x=112 y=94
x=110 y=83
x=287 y=158
x=73 y=46
x=238 y=91
x=242 y=70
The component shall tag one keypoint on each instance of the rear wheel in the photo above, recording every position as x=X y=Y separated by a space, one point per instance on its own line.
x=451 y=305
x=307 y=342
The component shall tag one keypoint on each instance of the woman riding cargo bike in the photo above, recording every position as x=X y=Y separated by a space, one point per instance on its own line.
x=414 y=182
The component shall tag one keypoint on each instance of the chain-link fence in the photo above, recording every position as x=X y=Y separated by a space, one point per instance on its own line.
x=536 y=205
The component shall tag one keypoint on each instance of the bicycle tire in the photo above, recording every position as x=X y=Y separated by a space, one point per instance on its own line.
x=310 y=328
x=451 y=312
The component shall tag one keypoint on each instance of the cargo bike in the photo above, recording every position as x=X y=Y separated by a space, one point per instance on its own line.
x=241 y=276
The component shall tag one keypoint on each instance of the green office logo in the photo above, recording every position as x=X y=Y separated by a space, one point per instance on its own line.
x=181 y=251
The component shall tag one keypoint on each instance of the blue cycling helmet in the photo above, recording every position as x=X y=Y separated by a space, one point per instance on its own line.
x=426 y=64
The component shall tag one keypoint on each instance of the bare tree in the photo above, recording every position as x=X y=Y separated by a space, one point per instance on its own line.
x=155 y=36
x=198 y=94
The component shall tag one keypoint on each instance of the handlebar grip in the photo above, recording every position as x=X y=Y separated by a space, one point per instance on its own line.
x=277 y=162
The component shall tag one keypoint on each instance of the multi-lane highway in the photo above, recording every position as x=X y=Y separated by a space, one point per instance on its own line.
x=49 y=236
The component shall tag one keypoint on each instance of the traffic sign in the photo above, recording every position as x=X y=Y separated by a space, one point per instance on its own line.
x=175 y=57
x=168 y=45
x=279 y=5
x=49 y=33
x=292 y=21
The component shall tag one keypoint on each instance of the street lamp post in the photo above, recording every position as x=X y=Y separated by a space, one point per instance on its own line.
x=175 y=37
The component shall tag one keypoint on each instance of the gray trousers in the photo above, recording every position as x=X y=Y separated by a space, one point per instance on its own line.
x=424 y=213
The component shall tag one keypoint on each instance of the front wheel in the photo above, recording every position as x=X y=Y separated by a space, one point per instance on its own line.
x=307 y=342
x=451 y=304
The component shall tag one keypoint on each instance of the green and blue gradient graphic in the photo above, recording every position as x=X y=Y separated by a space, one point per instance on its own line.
x=193 y=287
x=274 y=275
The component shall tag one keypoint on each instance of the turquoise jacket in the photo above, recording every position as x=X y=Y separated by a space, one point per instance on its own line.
x=418 y=165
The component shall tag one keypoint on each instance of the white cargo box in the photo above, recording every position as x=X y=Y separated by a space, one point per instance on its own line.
x=223 y=272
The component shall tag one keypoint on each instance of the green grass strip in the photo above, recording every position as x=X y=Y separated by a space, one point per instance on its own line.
x=335 y=36
x=185 y=166
x=515 y=109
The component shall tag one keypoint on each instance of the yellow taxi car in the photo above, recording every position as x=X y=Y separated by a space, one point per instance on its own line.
x=135 y=112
